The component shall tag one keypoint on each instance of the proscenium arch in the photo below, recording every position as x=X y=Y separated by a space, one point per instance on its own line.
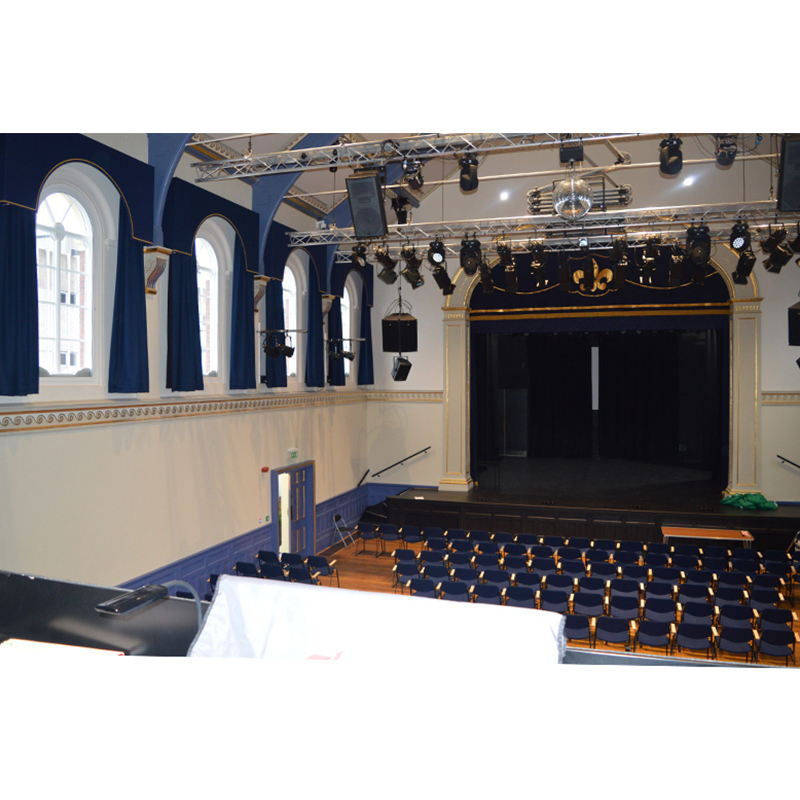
x=744 y=408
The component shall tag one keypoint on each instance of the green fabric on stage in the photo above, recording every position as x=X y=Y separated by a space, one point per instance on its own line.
x=750 y=500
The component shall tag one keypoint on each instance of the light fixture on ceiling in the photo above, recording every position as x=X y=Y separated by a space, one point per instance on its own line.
x=487 y=284
x=468 y=180
x=740 y=237
x=744 y=267
x=572 y=197
x=538 y=260
x=619 y=257
x=652 y=250
x=387 y=274
x=470 y=256
x=273 y=348
x=508 y=265
x=412 y=174
x=411 y=273
x=670 y=155
x=676 y=261
x=774 y=238
x=587 y=267
x=400 y=208
x=778 y=258
x=726 y=149
x=436 y=256
x=698 y=251
x=359 y=255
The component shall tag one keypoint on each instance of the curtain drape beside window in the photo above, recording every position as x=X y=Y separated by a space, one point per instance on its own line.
x=275 y=321
x=315 y=343
x=19 y=309
x=184 y=356
x=366 y=374
x=336 y=375
x=243 y=351
x=127 y=362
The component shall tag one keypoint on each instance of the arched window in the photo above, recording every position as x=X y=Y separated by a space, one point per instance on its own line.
x=347 y=327
x=208 y=300
x=290 y=318
x=64 y=273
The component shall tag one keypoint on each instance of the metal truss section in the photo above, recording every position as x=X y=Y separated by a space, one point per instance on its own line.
x=370 y=154
x=599 y=230
x=540 y=200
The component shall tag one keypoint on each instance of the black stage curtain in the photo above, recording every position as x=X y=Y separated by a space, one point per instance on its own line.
x=484 y=417
x=559 y=396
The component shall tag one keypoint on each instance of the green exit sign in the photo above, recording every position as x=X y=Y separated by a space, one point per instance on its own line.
x=293 y=455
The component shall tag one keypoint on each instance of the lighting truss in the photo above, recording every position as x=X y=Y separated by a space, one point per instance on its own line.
x=601 y=228
x=362 y=154
x=540 y=200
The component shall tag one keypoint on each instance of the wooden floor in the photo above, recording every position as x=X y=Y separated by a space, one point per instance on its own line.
x=367 y=573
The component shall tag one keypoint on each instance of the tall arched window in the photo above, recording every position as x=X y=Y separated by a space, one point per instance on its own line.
x=347 y=327
x=64 y=273
x=208 y=300
x=290 y=318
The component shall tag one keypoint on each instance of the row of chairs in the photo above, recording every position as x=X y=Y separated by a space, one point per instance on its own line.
x=750 y=642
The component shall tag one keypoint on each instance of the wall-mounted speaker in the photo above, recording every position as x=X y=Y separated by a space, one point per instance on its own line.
x=401 y=368
x=399 y=333
x=794 y=325
x=365 y=195
x=789 y=175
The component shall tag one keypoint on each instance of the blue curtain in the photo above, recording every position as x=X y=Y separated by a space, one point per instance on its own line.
x=366 y=374
x=243 y=349
x=335 y=366
x=315 y=343
x=184 y=356
x=276 y=367
x=127 y=363
x=19 y=302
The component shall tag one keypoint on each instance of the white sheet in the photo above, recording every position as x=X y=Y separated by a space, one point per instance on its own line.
x=254 y=618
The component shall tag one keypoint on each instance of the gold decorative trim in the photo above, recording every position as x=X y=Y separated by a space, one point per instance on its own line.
x=73 y=416
x=780 y=398
x=653 y=313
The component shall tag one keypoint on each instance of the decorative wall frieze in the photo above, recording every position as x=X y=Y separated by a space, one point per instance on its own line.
x=780 y=398
x=81 y=415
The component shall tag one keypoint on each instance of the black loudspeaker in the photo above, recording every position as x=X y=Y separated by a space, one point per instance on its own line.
x=399 y=333
x=789 y=177
x=365 y=196
x=794 y=325
x=401 y=368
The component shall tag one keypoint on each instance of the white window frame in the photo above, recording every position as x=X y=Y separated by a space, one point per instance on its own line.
x=100 y=200
x=298 y=265
x=221 y=237
x=354 y=316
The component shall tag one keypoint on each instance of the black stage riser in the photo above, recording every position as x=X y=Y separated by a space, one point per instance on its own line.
x=770 y=529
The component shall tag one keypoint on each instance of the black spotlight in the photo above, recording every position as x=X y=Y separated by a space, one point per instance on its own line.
x=508 y=265
x=399 y=206
x=538 y=255
x=773 y=239
x=778 y=258
x=796 y=242
x=387 y=274
x=470 y=255
x=747 y=260
x=436 y=253
x=469 y=173
x=411 y=273
x=443 y=280
x=675 y=269
x=740 y=237
x=671 y=156
x=619 y=249
x=412 y=171
x=698 y=251
x=486 y=278
x=274 y=349
x=359 y=255
x=726 y=149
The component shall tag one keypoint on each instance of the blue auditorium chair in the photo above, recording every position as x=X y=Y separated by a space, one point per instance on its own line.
x=324 y=568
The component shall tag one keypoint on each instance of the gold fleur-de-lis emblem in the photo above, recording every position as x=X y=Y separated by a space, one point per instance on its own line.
x=601 y=278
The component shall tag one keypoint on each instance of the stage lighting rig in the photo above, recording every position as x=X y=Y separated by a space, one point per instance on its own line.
x=411 y=273
x=436 y=253
x=468 y=180
x=778 y=258
x=508 y=265
x=676 y=261
x=774 y=238
x=273 y=348
x=387 y=274
x=698 y=251
x=744 y=267
x=412 y=174
x=470 y=256
x=670 y=155
x=436 y=257
x=400 y=208
x=740 y=237
x=486 y=278
x=726 y=149
x=359 y=255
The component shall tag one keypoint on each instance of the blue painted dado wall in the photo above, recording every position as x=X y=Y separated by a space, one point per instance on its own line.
x=221 y=558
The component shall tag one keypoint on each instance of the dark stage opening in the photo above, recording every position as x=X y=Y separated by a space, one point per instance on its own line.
x=616 y=417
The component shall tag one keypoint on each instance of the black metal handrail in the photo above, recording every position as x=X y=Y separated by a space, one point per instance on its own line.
x=786 y=461
x=402 y=461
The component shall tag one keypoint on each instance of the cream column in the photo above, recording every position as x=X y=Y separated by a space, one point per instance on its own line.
x=456 y=401
x=744 y=474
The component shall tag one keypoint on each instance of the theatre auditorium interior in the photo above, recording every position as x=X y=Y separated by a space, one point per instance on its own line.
x=480 y=397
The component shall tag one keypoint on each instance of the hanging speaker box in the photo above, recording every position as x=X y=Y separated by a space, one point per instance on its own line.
x=365 y=195
x=789 y=175
x=399 y=333
x=794 y=325
x=401 y=368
